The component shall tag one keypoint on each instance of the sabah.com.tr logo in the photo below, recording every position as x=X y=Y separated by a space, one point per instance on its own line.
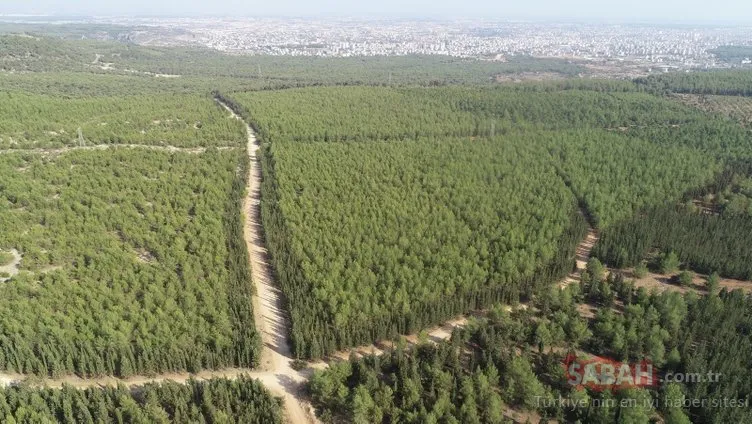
x=596 y=373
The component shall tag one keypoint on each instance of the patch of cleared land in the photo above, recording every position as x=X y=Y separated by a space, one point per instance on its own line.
x=736 y=107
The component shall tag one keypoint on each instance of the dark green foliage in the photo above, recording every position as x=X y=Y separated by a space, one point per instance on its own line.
x=431 y=384
x=242 y=401
x=497 y=356
x=716 y=339
x=732 y=54
x=133 y=262
x=706 y=243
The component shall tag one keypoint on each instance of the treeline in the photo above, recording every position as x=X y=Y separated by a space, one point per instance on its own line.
x=615 y=175
x=370 y=240
x=180 y=120
x=716 y=339
x=53 y=54
x=81 y=85
x=703 y=242
x=242 y=401
x=369 y=113
x=503 y=367
x=727 y=82
x=133 y=263
x=732 y=54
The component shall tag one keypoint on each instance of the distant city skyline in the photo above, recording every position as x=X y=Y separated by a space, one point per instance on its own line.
x=669 y=11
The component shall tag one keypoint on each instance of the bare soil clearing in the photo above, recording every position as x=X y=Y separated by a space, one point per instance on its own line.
x=663 y=282
x=10 y=269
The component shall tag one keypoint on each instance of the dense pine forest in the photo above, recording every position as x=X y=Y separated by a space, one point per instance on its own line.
x=243 y=401
x=618 y=153
x=372 y=239
x=178 y=120
x=133 y=262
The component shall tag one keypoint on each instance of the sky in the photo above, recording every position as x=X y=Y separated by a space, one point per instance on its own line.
x=678 y=11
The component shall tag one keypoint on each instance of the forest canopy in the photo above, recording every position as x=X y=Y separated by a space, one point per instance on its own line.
x=132 y=262
x=241 y=401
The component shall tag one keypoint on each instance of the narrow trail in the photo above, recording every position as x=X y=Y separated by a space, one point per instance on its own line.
x=582 y=257
x=61 y=150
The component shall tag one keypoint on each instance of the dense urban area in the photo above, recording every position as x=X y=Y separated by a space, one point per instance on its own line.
x=652 y=46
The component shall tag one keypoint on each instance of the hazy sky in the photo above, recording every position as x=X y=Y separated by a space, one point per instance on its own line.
x=630 y=10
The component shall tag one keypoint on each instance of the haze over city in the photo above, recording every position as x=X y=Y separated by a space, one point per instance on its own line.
x=675 y=11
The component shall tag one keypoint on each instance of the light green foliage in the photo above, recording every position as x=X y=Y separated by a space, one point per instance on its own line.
x=177 y=120
x=641 y=270
x=386 y=232
x=685 y=278
x=669 y=262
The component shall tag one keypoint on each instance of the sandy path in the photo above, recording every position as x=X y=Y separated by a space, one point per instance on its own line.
x=268 y=302
x=12 y=268
x=61 y=150
x=582 y=257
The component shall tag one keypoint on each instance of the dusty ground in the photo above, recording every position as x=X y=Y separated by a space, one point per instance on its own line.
x=11 y=268
x=662 y=282
x=268 y=303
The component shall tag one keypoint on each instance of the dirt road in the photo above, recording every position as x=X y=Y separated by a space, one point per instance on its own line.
x=268 y=303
